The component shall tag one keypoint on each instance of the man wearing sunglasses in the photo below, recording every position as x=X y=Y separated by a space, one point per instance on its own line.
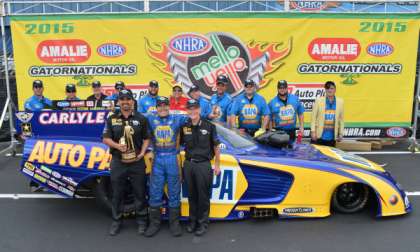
x=38 y=101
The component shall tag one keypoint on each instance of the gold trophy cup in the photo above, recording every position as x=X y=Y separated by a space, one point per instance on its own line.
x=127 y=139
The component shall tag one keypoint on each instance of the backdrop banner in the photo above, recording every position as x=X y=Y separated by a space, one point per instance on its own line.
x=371 y=58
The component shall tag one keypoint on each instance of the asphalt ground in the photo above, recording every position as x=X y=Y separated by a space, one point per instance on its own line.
x=79 y=225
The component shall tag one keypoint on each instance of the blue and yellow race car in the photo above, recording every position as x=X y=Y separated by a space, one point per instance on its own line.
x=64 y=153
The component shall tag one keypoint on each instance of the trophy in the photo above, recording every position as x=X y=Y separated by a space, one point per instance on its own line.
x=217 y=112
x=127 y=139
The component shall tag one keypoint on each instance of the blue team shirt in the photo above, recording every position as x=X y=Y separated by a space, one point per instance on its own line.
x=205 y=107
x=165 y=131
x=329 y=120
x=113 y=97
x=147 y=104
x=250 y=111
x=283 y=115
x=223 y=103
x=35 y=103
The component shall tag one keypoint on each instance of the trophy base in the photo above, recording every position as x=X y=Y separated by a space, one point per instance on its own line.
x=128 y=157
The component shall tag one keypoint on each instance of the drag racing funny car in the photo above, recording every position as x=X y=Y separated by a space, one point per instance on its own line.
x=64 y=153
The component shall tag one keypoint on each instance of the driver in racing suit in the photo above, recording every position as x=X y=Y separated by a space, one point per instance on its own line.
x=165 y=129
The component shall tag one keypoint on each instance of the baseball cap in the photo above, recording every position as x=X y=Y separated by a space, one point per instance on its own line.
x=192 y=103
x=37 y=83
x=282 y=84
x=119 y=85
x=222 y=79
x=96 y=84
x=70 y=88
x=249 y=83
x=177 y=85
x=125 y=93
x=193 y=88
x=153 y=83
x=162 y=100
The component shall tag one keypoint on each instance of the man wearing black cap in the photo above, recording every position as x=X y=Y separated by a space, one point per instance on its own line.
x=285 y=109
x=201 y=145
x=71 y=93
x=221 y=101
x=147 y=103
x=119 y=85
x=165 y=128
x=97 y=95
x=126 y=133
x=251 y=110
x=205 y=107
x=37 y=102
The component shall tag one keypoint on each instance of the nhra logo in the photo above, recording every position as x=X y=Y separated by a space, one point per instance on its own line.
x=63 y=51
x=396 y=132
x=194 y=58
x=334 y=49
x=111 y=50
x=380 y=49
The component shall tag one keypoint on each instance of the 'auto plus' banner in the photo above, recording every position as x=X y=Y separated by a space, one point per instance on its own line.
x=371 y=58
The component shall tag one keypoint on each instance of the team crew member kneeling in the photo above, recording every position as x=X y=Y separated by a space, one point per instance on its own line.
x=128 y=136
x=201 y=145
x=165 y=128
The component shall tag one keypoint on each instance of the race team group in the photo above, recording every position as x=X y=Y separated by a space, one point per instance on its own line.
x=154 y=127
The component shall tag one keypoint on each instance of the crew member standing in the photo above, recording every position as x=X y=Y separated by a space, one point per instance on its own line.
x=285 y=108
x=147 y=103
x=71 y=93
x=221 y=101
x=327 y=123
x=119 y=85
x=252 y=110
x=38 y=101
x=205 y=107
x=97 y=95
x=201 y=145
x=131 y=126
x=177 y=102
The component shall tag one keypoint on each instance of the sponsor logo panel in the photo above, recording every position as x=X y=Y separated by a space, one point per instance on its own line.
x=83 y=70
x=380 y=49
x=334 y=49
x=111 y=50
x=63 y=51
x=298 y=210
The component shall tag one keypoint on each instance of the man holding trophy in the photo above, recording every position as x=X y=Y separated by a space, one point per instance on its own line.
x=126 y=133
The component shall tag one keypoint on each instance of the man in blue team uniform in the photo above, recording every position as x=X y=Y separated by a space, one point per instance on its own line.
x=165 y=130
x=119 y=85
x=285 y=108
x=221 y=101
x=147 y=103
x=37 y=102
x=205 y=107
x=250 y=107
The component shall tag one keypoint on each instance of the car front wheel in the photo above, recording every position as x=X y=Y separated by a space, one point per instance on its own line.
x=350 y=198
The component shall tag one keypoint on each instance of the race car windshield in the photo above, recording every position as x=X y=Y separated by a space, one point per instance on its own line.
x=234 y=137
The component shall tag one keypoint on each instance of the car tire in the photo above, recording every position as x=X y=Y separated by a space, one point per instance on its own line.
x=350 y=198
x=103 y=194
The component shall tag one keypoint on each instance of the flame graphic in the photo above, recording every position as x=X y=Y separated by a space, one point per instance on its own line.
x=267 y=58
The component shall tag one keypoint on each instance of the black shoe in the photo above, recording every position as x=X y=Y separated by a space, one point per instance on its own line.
x=154 y=222
x=174 y=224
x=201 y=230
x=191 y=226
x=115 y=228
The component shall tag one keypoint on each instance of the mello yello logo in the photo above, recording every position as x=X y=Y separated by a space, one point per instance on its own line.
x=198 y=59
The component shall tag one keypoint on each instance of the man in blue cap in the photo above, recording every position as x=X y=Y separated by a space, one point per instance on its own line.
x=38 y=101
x=252 y=110
x=221 y=101
x=285 y=109
x=165 y=130
x=147 y=103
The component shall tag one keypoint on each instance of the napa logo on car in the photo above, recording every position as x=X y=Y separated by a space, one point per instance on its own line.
x=380 y=49
x=189 y=44
x=111 y=50
x=396 y=132
x=334 y=49
x=63 y=51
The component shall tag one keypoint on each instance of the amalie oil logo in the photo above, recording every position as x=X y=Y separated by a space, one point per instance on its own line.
x=63 y=51
x=334 y=49
x=199 y=58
